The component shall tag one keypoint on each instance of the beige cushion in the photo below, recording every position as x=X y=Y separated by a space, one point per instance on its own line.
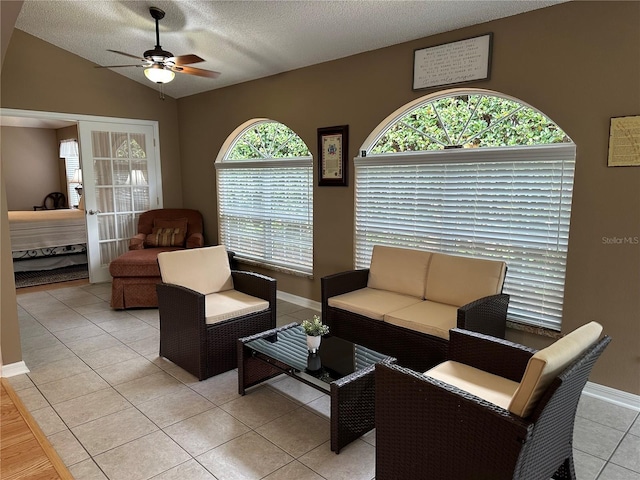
x=399 y=270
x=231 y=304
x=371 y=303
x=427 y=317
x=548 y=363
x=205 y=270
x=458 y=280
x=492 y=388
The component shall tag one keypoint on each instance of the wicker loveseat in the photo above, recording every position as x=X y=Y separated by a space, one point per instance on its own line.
x=407 y=301
x=136 y=273
x=496 y=410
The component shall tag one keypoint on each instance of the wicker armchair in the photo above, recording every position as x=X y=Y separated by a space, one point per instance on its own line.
x=205 y=307
x=427 y=428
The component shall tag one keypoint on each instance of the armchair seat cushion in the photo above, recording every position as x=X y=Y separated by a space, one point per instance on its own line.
x=427 y=317
x=492 y=388
x=138 y=263
x=371 y=302
x=230 y=304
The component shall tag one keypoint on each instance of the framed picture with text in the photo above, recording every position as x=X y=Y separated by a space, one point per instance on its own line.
x=333 y=148
x=453 y=63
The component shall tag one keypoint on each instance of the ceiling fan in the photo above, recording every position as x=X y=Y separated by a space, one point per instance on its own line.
x=160 y=66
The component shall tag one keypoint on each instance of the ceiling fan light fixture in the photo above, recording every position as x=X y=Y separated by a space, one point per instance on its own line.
x=159 y=74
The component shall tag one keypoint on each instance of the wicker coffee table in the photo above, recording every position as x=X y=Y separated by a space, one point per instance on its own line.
x=342 y=369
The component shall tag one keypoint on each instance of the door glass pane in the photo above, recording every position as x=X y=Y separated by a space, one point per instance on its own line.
x=104 y=199
x=141 y=199
x=102 y=172
x=108 y=251
x=120 y=145
x=100 y=142
x=125 y=226
x=138 y=146
x=106 y=227
x=123 y=199
x=121 y=172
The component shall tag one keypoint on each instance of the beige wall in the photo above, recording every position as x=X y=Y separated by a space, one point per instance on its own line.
x=578 y=62
x=73 y=85
x=10 y=348
x=30 y=166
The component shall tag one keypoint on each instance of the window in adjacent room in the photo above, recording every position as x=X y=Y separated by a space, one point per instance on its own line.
x=265 y=197
x=69 y=151
x=474 y=173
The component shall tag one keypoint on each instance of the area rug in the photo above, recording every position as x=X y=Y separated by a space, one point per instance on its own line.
x=43 y=277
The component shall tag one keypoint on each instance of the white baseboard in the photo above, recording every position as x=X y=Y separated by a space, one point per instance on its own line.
x=611 y=395
x=13 y=369
x=607 y=394
x=303 y=302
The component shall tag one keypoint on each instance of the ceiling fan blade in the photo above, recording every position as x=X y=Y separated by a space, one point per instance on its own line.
x=185 y=59
x=117 y=66
x=128 y=55
x=195 y=71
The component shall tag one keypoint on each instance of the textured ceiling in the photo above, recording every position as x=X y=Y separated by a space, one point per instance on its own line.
x=245 y=40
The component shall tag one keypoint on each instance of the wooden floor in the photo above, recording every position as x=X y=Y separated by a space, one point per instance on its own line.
x=25 y=452
x=53 y=286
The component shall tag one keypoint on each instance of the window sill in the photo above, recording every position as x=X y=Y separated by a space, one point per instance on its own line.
x=275 y=268
x=542 y=331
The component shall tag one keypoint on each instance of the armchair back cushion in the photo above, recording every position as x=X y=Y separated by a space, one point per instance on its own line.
x=205 y=270
x=456 y=280
x=399 y=270
x=547 y=363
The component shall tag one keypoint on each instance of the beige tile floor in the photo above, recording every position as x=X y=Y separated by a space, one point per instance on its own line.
x=113 y=409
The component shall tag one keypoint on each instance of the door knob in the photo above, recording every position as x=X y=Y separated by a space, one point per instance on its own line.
x=93 y=212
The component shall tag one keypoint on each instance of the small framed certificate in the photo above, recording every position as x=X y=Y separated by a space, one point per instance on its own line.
x=333 y=148
x=624 y=142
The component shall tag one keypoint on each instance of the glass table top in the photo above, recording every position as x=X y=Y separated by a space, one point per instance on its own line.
x=336 y=358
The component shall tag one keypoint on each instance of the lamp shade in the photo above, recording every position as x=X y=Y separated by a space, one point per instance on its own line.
x=159 y=74
x=77 y=176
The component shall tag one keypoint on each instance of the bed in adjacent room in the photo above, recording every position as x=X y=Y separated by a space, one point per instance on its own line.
x=47 y=239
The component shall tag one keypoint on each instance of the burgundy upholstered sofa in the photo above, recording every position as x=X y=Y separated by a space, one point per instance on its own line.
x=136 y=272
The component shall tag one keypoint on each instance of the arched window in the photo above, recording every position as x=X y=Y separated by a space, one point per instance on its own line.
x=474 y=173
x=265 y=196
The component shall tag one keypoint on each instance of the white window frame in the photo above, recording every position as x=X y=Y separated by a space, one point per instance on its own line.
x=291 y=250
x=529 y=304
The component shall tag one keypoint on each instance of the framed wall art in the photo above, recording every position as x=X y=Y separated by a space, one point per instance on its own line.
x=333 y=148
x=452 y=63
x=624 y=142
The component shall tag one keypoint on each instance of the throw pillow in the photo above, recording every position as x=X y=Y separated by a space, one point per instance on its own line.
x=165 y=237
x=167 y=233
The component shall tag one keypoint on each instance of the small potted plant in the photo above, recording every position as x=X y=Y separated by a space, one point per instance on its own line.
x=314 y=330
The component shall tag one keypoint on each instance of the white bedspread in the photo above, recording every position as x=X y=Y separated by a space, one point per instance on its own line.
x=46 y=229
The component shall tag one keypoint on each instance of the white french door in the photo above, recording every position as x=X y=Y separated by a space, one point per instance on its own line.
x=120 y=172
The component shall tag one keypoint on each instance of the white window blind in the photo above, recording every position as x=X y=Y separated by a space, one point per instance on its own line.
x=510 y=203
x=265 y=211
x=69 y=151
